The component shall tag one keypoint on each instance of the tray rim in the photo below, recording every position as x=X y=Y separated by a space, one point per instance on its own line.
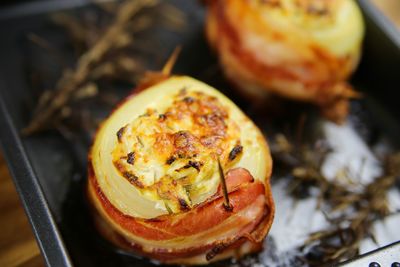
x=43 y=6
x=42 y=222
x=381 y=21
x=36 y=207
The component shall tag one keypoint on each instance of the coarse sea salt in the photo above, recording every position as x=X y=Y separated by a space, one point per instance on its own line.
x=294 y=221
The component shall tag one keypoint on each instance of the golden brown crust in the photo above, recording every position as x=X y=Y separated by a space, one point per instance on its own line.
x=182 y=155
x=197 y=233
x=310 y=73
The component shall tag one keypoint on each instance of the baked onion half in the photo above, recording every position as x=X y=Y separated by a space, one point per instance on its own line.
x=300 y=49
x=155 y=182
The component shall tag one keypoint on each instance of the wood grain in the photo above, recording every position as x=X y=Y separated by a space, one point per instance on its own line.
x=18 y=247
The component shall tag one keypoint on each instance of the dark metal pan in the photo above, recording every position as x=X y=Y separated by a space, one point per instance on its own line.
x=49 y=172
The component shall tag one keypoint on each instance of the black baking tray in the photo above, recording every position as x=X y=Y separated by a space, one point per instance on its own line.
x=49 y=173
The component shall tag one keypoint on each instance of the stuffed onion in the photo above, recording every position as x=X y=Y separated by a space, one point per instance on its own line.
x=155 y=175
x=300 y=49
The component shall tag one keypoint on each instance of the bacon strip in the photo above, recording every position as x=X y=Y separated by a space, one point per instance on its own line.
x=206 y=250
x=198 y=219
x=205 y=231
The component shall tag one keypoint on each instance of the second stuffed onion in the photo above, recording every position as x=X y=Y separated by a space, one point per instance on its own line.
x=155 y=173
x=300 y=49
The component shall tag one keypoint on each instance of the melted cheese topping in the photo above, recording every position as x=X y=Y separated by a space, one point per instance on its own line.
x=335 y=25
x=172 y=154
x=158 y=152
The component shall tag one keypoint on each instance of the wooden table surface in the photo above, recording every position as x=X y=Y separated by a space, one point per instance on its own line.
x=18 y=247
x=391 y=8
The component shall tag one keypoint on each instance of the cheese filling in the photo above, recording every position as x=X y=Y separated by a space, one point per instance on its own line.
x=337 y=25
x=172 y=154
x=158 y=152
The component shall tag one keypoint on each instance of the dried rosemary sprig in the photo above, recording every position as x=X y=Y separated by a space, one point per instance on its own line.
x=103 y=56
x=350 y=213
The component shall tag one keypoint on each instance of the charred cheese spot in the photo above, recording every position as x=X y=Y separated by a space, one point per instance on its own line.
x=235 y=152
x=171 y=154
x=131 y=158
x=120 y=133
x=133 y=179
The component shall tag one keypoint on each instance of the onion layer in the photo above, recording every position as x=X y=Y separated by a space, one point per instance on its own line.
x=153 y=175
x=300 y=49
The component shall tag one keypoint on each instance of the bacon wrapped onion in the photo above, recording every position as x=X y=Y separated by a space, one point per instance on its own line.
x=154 y=175
x=300 y=49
